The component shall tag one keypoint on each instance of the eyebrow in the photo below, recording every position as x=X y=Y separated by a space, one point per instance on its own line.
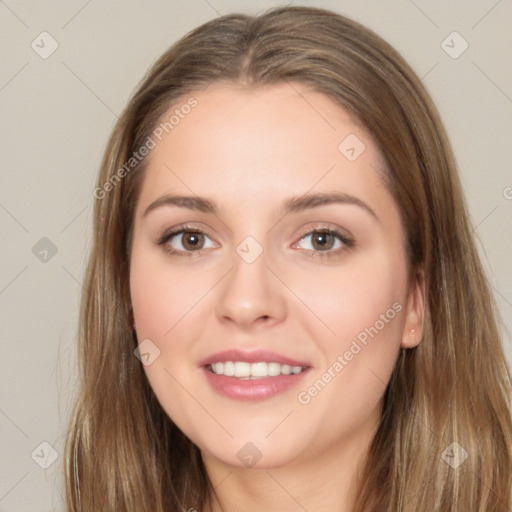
x=290 y=205
x=190 y=202
x=304 y=202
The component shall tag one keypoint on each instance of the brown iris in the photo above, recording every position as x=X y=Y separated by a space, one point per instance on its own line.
x=192 y=240
x=322 y=240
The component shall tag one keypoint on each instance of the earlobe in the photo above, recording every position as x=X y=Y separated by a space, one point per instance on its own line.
x=411 y=340
x=415 y=313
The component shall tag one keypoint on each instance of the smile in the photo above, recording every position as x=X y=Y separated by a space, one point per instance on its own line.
x=258 y=370
x=254 y=375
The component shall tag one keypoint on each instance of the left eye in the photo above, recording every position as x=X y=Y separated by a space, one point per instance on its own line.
x=322 y=240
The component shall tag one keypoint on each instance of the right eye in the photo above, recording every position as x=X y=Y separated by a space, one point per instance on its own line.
x=183 y=240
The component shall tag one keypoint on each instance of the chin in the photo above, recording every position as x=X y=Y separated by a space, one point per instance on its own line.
x=250 y=455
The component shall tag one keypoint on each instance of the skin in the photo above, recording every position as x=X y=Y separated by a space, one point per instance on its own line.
x=248 y=150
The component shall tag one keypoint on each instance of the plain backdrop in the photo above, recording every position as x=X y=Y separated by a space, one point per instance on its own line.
x=57 y=110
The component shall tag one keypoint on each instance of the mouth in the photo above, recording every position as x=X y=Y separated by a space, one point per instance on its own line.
x=258 y=370
x=252 y=376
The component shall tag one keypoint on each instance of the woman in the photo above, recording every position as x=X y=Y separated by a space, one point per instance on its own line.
x=285 y=309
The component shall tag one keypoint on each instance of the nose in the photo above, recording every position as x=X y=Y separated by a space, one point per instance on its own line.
x=251 y=295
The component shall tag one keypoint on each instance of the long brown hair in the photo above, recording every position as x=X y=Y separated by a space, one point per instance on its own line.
x=124 y=454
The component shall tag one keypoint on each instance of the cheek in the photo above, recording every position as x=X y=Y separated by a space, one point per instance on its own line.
x=171 y=303
x=364 y=306
x=350 y=299
x=162 y=295
x=165 y=307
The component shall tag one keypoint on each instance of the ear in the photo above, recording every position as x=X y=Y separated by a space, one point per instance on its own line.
x=414 y=312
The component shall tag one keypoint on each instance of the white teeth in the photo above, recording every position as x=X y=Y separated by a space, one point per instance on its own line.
x=258 y=369
x=286 y=369
x=229 y=369
x=244 y=370
x=218 y=367
x=273 y=369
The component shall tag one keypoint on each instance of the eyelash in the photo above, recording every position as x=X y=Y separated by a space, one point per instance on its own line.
x=348 y=243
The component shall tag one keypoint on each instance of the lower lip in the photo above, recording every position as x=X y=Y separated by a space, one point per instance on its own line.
x=252 y=389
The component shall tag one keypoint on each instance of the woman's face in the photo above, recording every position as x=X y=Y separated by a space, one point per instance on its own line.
x=269 y=276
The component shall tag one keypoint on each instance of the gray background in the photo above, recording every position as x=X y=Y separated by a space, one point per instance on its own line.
x=57 y=113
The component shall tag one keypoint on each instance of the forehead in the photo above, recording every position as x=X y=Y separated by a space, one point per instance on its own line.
x=253 y=144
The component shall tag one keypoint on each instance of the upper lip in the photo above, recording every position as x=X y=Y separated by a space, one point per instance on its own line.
x=253 y=356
